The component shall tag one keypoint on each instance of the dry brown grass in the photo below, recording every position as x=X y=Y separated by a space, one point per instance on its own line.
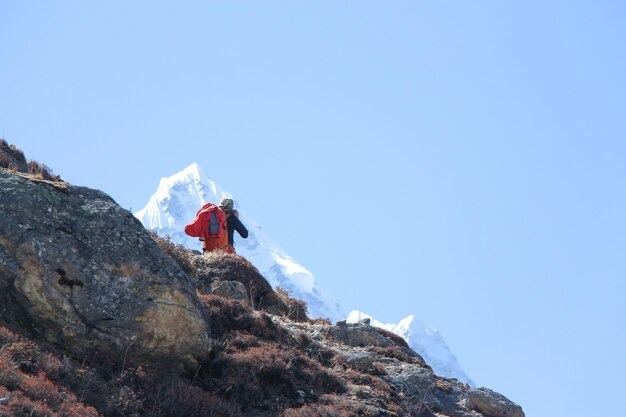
x=260 y=365
x=332 y=405
x=13 y=159
x=401 y=353
x=296 y=308
x=43 y=383
x=267 y=376
x=227 y=315
x=212 y=267
x=27 y=383
x=182 y=255
x=42 y=171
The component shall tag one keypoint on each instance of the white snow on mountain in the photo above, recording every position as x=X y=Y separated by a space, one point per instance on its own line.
x=175 y=204
x=424 y=340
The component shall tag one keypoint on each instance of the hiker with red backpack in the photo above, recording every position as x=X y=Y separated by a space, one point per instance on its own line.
x=215 y=226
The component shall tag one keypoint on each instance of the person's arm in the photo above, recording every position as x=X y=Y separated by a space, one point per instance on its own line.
x=239 y=227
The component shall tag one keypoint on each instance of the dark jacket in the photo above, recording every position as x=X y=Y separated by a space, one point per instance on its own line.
x=233 y=224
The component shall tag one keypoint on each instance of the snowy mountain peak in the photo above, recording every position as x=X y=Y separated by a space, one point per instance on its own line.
x=191 y=174
x=193 y=169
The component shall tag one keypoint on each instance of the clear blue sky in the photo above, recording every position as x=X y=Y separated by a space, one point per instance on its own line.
x=461 y=161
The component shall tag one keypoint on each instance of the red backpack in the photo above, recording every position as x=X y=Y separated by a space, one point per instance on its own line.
x=210 y=226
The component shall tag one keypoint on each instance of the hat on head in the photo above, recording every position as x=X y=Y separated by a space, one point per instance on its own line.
x=227 y=204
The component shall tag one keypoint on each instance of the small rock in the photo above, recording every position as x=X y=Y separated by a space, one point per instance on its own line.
x=301 y=396
x=359 y=334
x=360 y=362
x=492 y=404
x=231 y=289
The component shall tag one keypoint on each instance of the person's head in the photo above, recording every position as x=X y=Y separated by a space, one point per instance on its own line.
x=227 y=204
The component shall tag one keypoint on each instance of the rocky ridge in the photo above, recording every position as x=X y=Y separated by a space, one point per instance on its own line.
x=80 y=274
x=364 y=348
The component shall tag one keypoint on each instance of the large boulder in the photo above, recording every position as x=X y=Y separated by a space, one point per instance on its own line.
x=83 y=273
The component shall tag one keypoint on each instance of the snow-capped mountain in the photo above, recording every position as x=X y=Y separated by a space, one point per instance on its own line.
x=425 y=341
x=175 y=204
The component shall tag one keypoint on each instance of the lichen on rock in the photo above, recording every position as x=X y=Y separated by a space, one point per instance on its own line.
x=86 y=274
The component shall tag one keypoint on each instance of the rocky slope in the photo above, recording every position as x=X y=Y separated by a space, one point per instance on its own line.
x=101 y=317
x=424 y=340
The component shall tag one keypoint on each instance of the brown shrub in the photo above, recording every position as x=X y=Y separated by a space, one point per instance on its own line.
x=179 y=253
x=296 y=308
x=25 y=354
x=42 y=171
x=75 y=409
x=134 y=392
x=332 y=405
x=398 y=340
x=241 y=341
x=37 y=395
x=40 y=388
x=13 y=159
x=21 y=406
x=372 y=380
x=81 y=379
x=227 y=315
x=178 y=398
x=10 y=375
x=393 y=351
x=315 y=410
x=260 y=365
x=259 y=375
x=7 y=336
x=32 y=377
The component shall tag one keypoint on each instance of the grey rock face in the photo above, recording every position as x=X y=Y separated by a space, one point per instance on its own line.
x=493 y=404
x=85 y=273
x=421 y=392
x=359 y=334
x=231 y=289
x=360 y=361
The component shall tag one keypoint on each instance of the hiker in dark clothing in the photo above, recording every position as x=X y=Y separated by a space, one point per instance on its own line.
x=233 y=223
